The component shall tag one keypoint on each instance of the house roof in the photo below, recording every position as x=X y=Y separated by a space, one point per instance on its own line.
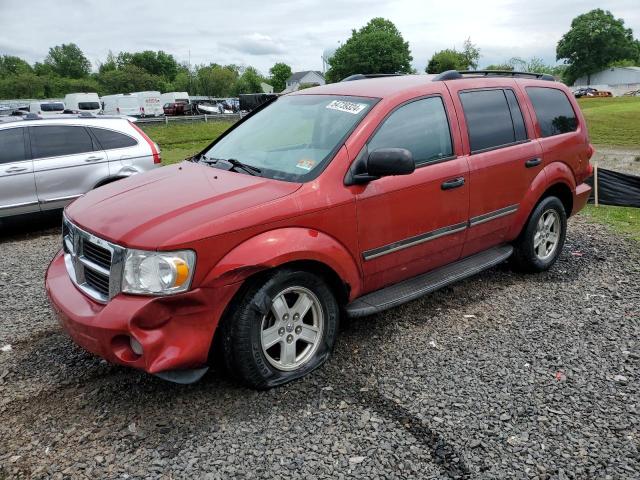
x=297 y=76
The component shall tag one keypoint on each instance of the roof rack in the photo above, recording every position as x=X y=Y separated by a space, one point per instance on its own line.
x=364 y=76
x=456 y=75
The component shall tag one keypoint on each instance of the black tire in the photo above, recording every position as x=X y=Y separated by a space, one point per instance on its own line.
x=524 y=256
x=241 y=329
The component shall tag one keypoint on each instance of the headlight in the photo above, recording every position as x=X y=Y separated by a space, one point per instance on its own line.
x=158 y=273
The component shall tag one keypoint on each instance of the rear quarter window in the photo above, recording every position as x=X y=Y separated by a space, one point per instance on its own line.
x=54 y=141
x=553 y=110
x=109 y=139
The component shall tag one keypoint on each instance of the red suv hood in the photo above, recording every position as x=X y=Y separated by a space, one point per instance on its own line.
x=152 y=209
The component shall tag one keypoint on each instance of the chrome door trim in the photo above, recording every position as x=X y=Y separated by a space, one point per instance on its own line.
x=59 y=199
x=413 y=241
x=486 y=217
x=18 y=205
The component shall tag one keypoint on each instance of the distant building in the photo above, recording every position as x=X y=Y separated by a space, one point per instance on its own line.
x=266 y=88
x=312 y=77
x=618 y=80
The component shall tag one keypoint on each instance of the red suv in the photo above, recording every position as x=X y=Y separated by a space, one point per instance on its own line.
x=341 y=200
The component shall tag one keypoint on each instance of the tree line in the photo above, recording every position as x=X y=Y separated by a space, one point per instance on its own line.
x=595 y=41
x=66 y=69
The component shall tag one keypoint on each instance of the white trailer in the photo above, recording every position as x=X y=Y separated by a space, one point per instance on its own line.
x=174 y=97
x=82 y=102
x=121 y=104
x=149 y=103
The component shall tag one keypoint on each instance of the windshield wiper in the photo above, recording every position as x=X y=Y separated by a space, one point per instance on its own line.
x=235 y=164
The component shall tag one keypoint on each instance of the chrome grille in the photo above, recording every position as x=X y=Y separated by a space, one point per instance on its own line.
x=93 y=264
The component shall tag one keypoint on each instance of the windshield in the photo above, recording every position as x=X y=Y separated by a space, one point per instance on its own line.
x=88 y=105
x=294 y=137
x=51 y=107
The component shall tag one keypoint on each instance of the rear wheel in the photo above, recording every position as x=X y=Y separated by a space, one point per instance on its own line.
x=541 y=242
x=283 y=327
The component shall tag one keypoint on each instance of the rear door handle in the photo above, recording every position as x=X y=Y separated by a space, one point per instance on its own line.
x=455 y=183
x=16 y=169
x=534 y=162
x=93 y=159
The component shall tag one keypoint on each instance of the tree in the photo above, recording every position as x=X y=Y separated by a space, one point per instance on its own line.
x=67 y=60
x=10 y=65
x=504 y=67
x=215 y=80
x=378 y=47
x=471 y=54
x=449 y=59
x=280 y=72
x=452 y=59
x=248 y=82
x=595 y=40
x=130 y=78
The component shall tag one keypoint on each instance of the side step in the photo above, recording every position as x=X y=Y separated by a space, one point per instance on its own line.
x=425 y=283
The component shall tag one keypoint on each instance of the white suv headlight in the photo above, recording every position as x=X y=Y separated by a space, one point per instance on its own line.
x=158 y=273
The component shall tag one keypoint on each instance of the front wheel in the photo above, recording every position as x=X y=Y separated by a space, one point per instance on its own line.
x=542 y=239
x=283 y=327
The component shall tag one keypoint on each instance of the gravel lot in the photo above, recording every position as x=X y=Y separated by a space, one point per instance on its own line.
x=500 y=376
x=619 y=159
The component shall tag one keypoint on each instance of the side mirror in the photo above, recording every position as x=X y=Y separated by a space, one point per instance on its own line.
x=390 y=161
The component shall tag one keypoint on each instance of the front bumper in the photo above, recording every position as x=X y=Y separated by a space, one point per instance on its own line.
x=175 y=332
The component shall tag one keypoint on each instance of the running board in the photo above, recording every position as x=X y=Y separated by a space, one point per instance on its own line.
x=416 y=287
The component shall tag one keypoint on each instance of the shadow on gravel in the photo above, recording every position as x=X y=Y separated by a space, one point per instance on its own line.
x=31 y=225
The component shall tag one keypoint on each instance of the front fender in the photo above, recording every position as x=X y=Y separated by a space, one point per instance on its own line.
x=552 y=174
x=277 y=247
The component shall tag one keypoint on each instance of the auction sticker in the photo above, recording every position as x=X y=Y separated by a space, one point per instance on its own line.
x=348 y=107
x=306 y=164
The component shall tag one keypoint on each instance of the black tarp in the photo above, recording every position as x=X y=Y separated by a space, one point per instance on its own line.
x=250 y=101
x=615 y=188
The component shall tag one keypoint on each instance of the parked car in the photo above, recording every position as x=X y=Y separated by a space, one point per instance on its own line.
x=345 y=199
x=47 y=163
x=46 y=107
x=149 y=104
x=82 y=102
x=591 y=92
x=120 y=104
x=177 y=108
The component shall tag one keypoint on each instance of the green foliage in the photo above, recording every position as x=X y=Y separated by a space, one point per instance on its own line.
x=130 y=78
x=215 y=80
x=378 y=47
x=22 y=85
x=303 y=86
x=452 y=59
x=595 y=40
x=504 y=67
x=67 y=60
x=10 y=65
x=248 y=82
x=280 y=72
x=156 y=63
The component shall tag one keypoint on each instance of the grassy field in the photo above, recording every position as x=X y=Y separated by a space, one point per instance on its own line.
x=179 y=141
x=613 y=121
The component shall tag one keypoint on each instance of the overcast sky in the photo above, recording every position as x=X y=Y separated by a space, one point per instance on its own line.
x=262 y=32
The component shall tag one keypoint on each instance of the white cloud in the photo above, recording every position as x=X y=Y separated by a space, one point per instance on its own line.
x=254 y=32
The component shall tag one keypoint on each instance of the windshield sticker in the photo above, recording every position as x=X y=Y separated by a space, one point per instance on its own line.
x=348 y=107
x=306 y=164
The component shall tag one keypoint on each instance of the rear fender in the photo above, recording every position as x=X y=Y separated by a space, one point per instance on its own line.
x=277 y=247
x=552 y=174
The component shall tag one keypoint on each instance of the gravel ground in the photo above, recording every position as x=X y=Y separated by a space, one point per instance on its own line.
x=618 y=159
x=500 y=376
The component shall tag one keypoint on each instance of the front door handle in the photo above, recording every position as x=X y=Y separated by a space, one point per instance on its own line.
x=534 y=162
x=16 y=169
x=455 y=183
x=92 y=159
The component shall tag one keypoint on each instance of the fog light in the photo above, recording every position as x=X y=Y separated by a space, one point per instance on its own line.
x=135 y=346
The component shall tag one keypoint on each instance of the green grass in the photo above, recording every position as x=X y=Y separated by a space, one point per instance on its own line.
x=179 y=141
x=624 y=220
x=613 y=121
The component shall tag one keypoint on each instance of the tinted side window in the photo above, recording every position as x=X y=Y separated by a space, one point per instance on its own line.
x=421 y=127
x=12 y=145
x=52 y=141
x=516 y=115
x=488 y=119
x=109 y=139
x=553 y=110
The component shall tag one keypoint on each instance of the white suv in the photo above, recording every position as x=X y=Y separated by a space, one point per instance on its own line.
x=47 y=163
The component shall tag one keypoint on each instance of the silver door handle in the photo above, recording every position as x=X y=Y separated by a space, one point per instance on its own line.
x=16 y=169
x=92 y=159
